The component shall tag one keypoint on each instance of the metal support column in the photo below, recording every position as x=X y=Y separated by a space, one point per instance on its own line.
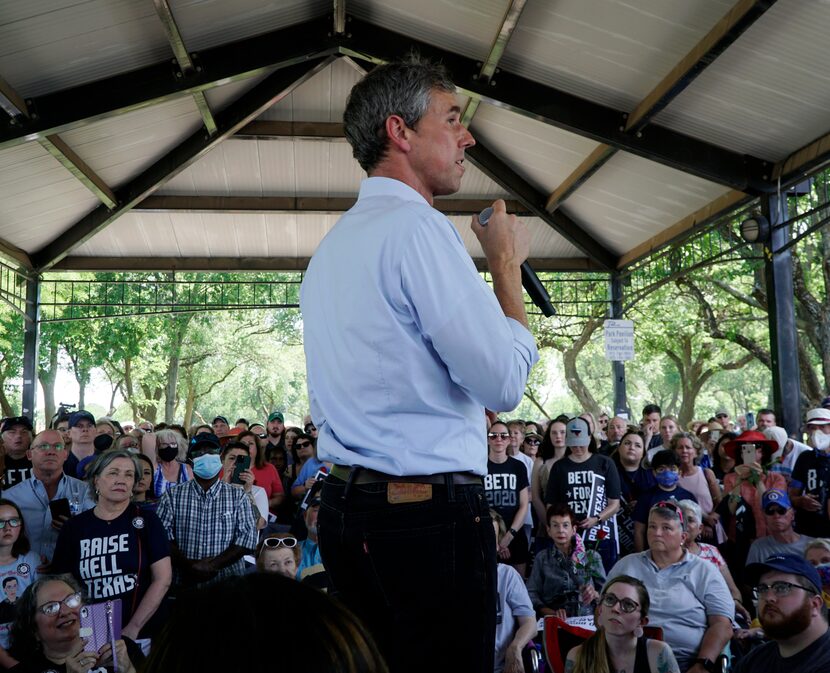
x=618 y=367
x=31 y=340
x=783 y=335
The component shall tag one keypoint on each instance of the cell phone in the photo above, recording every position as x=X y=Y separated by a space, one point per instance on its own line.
x=715 y=435
x=242 y=463
x=59 y=507
x=101 y=624
x=750 y=420
x=748 y=454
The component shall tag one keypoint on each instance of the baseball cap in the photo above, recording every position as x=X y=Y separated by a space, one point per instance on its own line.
x=220 y=418
x=276 y=416
x=721 y=412
x=826 y=403
x=204 y=439
x=577 y=432
x=9 y=423
x=78 y=416
x=775 y=496
x=785 y=563
x=818 y=416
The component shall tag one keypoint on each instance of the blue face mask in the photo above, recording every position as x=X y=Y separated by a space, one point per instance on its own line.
x=207 y=466
x=668 y=478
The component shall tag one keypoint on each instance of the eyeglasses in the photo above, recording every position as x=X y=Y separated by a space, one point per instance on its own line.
x=310 y=428
x=277 y=542
x=54 y=607
x=532 y=442
x=770 y=511
x=668 y=504
x=609 y=600
x=498 y=435
x=779 y=589
x=302 y=445
x=58 y=446
x=14 y=522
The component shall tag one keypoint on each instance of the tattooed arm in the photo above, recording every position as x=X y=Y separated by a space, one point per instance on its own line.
x=661 y=658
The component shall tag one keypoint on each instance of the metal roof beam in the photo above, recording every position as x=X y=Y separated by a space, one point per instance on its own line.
x=730 y=27
x=534 y=200
x=217 y=264
x=184 y=60
x=488 y=67
x=339 y=17
x=804 y=161
x=266 y=129
x=246 y=108
x=59 y=111
x=16 y=254
x=160 y=203
x=12 y=102
x=80 y=170
x=571 y=113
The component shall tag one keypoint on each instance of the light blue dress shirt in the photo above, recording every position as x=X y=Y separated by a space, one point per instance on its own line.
x=30 y=496
x=405 y=343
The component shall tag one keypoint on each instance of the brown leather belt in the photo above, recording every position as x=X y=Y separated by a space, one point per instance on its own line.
x=365 y=476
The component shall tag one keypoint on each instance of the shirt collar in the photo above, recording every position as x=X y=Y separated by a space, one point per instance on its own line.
x=378 y=186
x=648 y=559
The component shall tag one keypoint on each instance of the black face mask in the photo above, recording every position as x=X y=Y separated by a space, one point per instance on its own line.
x=168 y=453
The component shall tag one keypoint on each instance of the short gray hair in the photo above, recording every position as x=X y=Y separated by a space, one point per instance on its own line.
x=170 y=436
x=102 y=462
x=400 y=88
x=691 y=507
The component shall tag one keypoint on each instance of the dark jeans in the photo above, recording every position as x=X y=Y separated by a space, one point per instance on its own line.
x=421 y=576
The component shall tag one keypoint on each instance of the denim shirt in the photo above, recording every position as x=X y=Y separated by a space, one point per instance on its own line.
x=554 y=574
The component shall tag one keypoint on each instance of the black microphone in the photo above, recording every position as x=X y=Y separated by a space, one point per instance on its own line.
x=530 y=281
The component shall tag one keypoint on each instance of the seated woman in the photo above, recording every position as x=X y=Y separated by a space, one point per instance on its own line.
x=566 y=577
x=46 y=636
x=279 y=553
x=117 y=549
x=619 y=644
x=230 y=454
x=265 y=474
x=513 y=607
x=144 y=483
x=169 y=457
x=18 y=569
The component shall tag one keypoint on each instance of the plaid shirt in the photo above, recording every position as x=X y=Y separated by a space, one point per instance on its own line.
x=206 y=523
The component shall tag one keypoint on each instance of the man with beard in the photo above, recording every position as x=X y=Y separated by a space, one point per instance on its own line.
x=275 y=428
x=793 y=616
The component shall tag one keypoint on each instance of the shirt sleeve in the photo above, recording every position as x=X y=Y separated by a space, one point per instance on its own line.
x=276 y=482
x=516 y=596
x=246 y=532
x=62 y=558
x=612 y=480
x=486 y=353
x=158 y=545
x=164 y=512
x=717 y=601
x=534 y=584
x=799 y=472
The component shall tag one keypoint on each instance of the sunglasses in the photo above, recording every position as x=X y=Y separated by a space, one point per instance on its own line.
x=780 y=511
x=277 y=542
x=196 y=453
x=302 y=445
x=532 y=442
x=498 y=435
x=14 y=522
x=628 y=606
x=668 y=504
x=54 y=607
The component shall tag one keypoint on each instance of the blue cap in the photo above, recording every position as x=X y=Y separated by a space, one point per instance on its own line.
x=78 y=416
x=577 y=432
x=785 y=563
x=775 y=497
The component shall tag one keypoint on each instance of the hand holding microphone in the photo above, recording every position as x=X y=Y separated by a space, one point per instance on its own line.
x=530 y=281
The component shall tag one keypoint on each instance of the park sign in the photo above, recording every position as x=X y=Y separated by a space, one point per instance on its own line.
x=619 y=340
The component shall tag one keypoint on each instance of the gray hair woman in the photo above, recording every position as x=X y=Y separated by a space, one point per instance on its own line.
x=168 y=456
x=694 y=522
x=116 y=549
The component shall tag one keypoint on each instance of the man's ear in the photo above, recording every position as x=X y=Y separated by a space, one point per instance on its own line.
x=398 y=133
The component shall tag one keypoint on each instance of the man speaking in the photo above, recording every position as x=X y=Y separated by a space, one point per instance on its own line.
x=405 y=347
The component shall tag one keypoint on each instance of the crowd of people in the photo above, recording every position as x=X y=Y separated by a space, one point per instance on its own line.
x=715 y=533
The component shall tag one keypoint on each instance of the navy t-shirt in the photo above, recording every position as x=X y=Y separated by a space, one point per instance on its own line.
x=503 y=484
x=112 y=559
x=648 y=500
